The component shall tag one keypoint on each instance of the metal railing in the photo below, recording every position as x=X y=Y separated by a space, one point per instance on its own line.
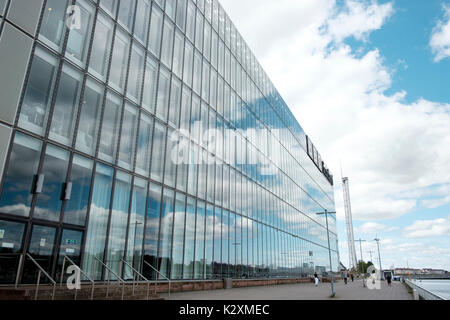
x=135 y=272
x=41 y=270
x=119 y=279
x=422 y=292
x=81 y=271
x=158 y=273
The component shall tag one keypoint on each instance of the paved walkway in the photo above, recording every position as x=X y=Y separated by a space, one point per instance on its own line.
x=303 y=291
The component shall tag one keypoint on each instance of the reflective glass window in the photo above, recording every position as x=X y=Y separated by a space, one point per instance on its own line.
x=119 y=63
x=207 y=41
x=205 y=81
x=199 y=31
x=126 y=13
x=10 y=242
x=197 y=72
x=199 y=269
x=167 y=44
x=190 y=21
x=156 y=23
x=144 y=148
x=110 y=6
x=66 y=105
x=209 y=241
x=178 y=237
x=101 y=46
x=38 y=92
x=150 y=85
x=178 y=54
x=217 y=257
x=79 y=37
x=193 y=167
x=90 y=116
x=110 y=127
x=98 y=221
x=20 y=176
x=128 y=136
x=181 y=13
x=142 y=20
x=188 y=63
x=118 y=221
x=189 y=240
x=165 y=237
x=175 y=102
x=159 y=147
x=152 y=229
x=53 y=23
x=170 y=165
x=185 y=111
x=75 y=209
x=225 y=242
x=48 y=204
x=162 y=103
x=135 y=77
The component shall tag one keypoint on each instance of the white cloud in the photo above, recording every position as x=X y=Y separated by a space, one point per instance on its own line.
x=428 y=228
x=440 y=37
x=386 y=146
x=359 y=19
x=435 y=203
x=373 y=228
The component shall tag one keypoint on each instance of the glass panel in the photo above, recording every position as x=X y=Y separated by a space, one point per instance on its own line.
x=11 y=234
x=110 y=6
x=119 y=220
x=178 y=237
x=38 y=92
x=207 y=41
x=202 y=175
x=165 y=238
x=110 y=128
x=136 y=227
x=162 y=104
x=41 y=249
x=200 y=241
x=185 y=111
x=171 y=151
x=175 y=101
x=136 y=74
x=217 y=262
x=170 y=9
x=128 y=137
x=209 y=241
x=225 y=242
x=20 y=178
x=167 y=44
x=144 y=145
x=142 y=20
x=49 y=202
x=188 y=63
x=190 y=21
x=154 y=42
x=79 y=38
x=159 y=146
x=189 y=240
x=98 y=221
x=90 y=117
x=66 y=106
x=197 y=72
x=193 y=161
x=152 y=229
x=53 y=22
x=70 y=246
x=126 y=13
x=205 y=81
x=150 y=85
x=101 y=46
x=81 y=174
x=119 y=62
x=199 y=31
x=178 y=54
x=181 y=14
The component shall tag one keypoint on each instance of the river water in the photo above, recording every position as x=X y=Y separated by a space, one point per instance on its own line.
x=439 y=287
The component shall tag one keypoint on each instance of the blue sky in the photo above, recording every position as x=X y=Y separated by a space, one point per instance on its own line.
x=369 y=81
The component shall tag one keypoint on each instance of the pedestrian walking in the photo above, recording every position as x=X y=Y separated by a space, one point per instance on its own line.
x=316 y=279
x=389 y=280
x=352 y=276
x=345 y=277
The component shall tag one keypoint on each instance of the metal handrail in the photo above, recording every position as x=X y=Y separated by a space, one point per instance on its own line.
x=135 y=272
x=109 y=276
x=20 y=255
x=413 y=285
x=41 y=270
x=157 y=272
x=84 y=273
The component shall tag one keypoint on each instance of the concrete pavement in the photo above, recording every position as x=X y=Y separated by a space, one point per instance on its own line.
x=303 y=291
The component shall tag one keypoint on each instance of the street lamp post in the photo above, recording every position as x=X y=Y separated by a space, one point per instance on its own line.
x=360 y=249
x=329 y=250
x=379 y=257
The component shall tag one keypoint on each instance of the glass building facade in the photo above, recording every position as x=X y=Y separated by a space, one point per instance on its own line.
x=103 y=94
